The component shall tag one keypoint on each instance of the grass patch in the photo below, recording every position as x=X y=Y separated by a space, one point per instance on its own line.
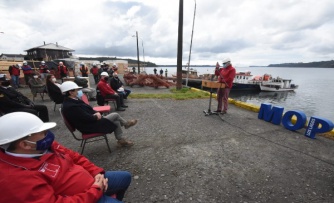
x=182 y=94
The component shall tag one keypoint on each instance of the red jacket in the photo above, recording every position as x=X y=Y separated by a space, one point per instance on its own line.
x=226 y=75
x=94 y=70
x=62 y=69
x=14 y=71
x=105 y=88
x=27 y=70
x=59 y=176
x=43 y=69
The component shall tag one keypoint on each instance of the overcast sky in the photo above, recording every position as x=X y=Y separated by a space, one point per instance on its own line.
x=250 y=32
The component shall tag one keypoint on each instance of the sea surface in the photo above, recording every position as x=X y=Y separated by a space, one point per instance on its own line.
x=314 y=95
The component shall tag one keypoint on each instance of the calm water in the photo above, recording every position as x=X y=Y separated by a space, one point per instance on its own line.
x=314 y=95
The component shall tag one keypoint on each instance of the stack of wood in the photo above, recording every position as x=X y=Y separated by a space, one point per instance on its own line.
x=146 y=80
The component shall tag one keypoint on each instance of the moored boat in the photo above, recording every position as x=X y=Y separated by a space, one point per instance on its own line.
x=278 y=85
x=246 y=81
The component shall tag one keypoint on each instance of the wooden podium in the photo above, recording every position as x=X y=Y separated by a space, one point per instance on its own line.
x=212 y=84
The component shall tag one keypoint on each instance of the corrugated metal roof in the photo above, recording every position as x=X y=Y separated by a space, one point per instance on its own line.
x=51 y=46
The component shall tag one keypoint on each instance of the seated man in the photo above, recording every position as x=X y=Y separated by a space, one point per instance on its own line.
x=117 y=84
x=108 y=93
x=35 y=168
x=82 y=82
x=86 y=120
x=13 y=101
x=54 y=89
x=36 y=85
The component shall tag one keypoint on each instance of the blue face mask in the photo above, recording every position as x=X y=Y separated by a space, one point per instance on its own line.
x=44 y=143
x=225 y=65
x=80 y=93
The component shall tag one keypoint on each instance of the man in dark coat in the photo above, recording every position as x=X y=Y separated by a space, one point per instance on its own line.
x=13 y=101
x=117 y=84
x=83 y=117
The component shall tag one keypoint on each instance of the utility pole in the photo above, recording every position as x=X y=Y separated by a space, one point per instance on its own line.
x=138 y=53
x=179 y=48
x=191 y=43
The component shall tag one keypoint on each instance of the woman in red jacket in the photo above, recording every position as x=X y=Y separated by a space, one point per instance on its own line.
x=226 y=76
x=34 y=168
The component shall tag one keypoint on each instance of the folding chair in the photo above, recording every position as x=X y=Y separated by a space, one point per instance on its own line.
x=85 y=138
x=100 y=109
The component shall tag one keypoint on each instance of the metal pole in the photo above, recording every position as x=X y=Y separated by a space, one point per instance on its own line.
x=142 y=43
x=191 y=43
x=179 y=48
x=138 y=53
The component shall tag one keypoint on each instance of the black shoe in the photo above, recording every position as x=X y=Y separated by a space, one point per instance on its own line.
x=92 y=99
x=125 y=106
x=120 y=109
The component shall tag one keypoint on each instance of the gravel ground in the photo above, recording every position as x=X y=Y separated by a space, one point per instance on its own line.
x=180 y=155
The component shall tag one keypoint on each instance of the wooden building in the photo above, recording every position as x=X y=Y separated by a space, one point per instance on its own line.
x=48 y=52
x=11 y=57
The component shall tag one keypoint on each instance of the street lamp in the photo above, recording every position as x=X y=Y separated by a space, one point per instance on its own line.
x=137 y=50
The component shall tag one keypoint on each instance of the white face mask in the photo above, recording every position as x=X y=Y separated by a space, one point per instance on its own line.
x=54 y=79
x=35 y=76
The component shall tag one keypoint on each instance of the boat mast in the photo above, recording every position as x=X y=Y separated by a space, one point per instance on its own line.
x=191 y=43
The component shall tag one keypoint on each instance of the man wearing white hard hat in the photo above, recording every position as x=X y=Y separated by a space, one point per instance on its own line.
x=83 y=117
x=226 y=76
x=109 y=93
x=43 y=70
x=27 y=71
x=35 y=168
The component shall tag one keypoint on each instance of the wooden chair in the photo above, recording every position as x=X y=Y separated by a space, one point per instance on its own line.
x=85 y=138
x=100 y=109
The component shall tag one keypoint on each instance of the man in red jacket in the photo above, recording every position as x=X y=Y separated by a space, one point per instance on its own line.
x=35 y=168
x=62 y=70
x=108 y=93
x=226 y=76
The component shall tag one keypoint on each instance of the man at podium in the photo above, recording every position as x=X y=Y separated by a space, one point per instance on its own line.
x=226 y=76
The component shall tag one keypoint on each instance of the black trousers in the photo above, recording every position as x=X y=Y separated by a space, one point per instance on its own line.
x=119 y=99
x=39 y=110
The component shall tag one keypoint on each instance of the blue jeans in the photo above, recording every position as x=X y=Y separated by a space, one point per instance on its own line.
x=15 y=79
x=125 y=93
x=118 y=183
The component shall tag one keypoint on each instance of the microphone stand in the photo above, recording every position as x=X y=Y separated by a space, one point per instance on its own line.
x=209 y=112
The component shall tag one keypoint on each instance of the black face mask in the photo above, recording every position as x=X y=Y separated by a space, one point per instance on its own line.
x=106 y=78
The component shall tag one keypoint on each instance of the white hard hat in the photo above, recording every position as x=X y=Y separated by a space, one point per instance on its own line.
x=68 y=85
x=94 y=64
x=17 y=125
x=114 y=64
x=25 y=63
x=60 y=63
x=81 y=64
x=43 y=62
x=104 y=74
x=226 y=60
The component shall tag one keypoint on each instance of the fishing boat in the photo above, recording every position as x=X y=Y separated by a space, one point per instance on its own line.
x=278 y=85
x=246 y=81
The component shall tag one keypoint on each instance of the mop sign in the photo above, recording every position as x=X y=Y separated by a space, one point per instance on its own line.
x=274 y=115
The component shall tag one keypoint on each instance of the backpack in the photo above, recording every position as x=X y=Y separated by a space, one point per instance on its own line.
x=99 y=97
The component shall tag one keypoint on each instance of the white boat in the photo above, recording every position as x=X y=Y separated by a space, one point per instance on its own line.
x=278 y=85
x=246 y=81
